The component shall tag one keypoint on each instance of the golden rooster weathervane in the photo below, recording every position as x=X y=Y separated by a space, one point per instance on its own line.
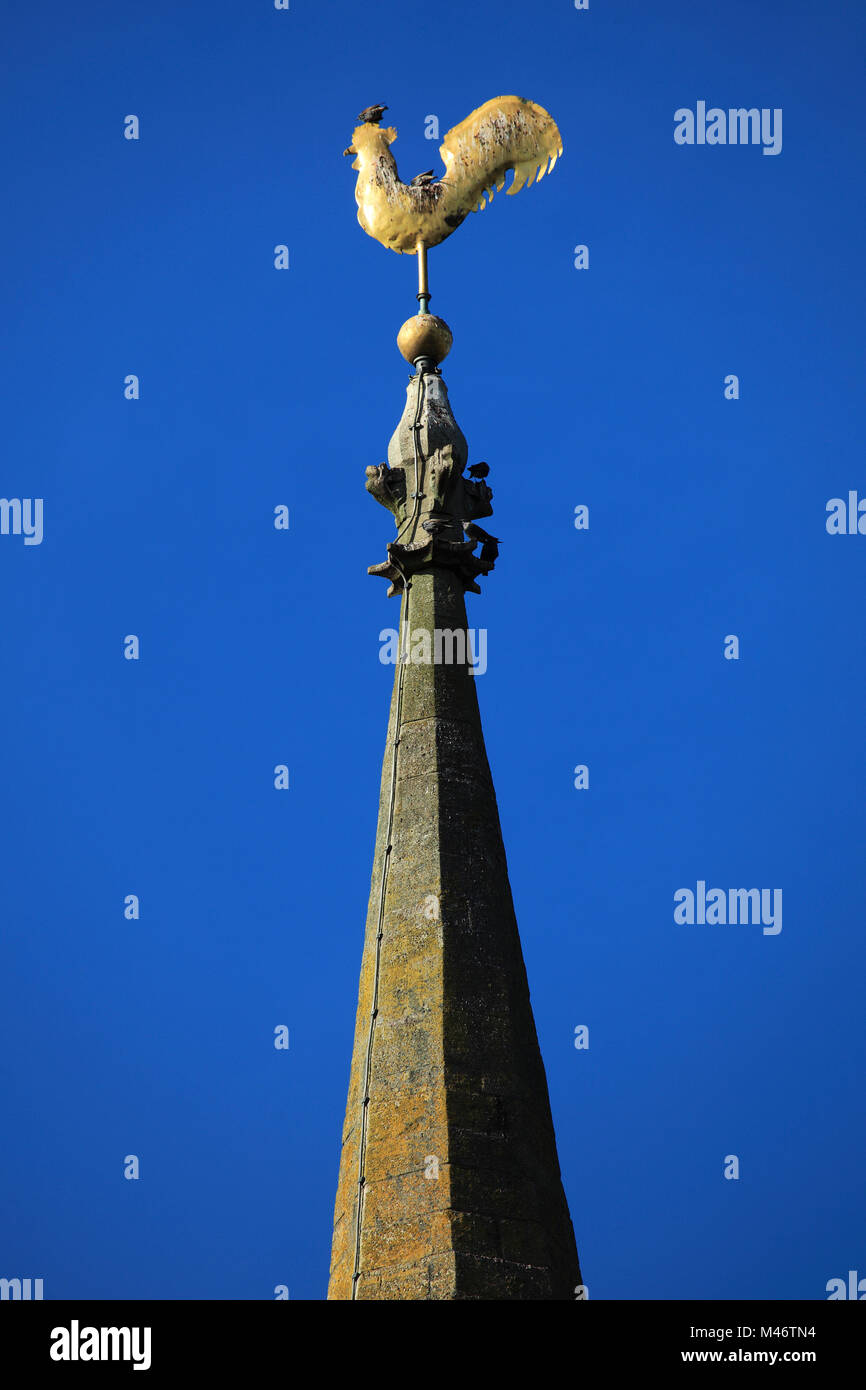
x=507 y=133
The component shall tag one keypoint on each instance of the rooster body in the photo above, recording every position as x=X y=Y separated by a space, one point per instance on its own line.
x=505 y=133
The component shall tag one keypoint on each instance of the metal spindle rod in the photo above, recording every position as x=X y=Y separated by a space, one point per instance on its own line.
x=423 y=285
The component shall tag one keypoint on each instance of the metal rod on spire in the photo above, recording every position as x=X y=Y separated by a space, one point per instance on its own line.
x=423 y=285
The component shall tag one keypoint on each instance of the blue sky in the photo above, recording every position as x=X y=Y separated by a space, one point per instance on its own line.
x=602 y=387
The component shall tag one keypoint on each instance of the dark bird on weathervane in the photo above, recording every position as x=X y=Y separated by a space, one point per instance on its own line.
x=479 y=470
x=372 y=115
x=422 y=180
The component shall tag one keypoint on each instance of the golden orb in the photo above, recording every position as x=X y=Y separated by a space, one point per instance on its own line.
x=425 y=335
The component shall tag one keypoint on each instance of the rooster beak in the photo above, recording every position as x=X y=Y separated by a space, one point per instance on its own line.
x=350 y=150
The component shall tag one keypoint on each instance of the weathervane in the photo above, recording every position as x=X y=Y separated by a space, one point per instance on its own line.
x=505 y=133
x=434 y=505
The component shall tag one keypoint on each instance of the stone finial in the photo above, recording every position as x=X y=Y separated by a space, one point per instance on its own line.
x=424 y=487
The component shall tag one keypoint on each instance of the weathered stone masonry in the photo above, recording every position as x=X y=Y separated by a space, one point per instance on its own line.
x=449 y=1184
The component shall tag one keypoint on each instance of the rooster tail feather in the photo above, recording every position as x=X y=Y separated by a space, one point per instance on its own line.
x=507 y=133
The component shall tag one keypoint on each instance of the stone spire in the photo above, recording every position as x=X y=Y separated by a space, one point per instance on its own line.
x=449 y=1183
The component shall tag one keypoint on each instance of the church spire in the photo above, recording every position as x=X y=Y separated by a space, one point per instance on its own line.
x=449 y=1183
